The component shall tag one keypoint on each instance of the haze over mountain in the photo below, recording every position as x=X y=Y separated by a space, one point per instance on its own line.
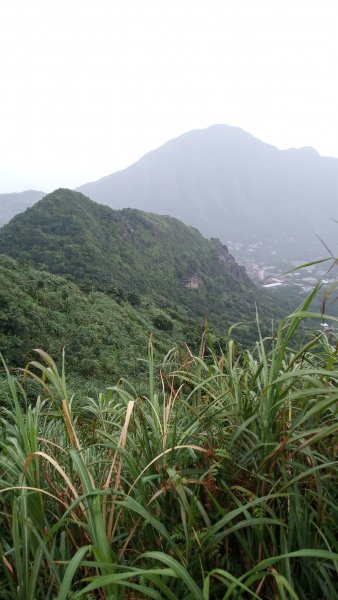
x=14 y=203
x=231 y=185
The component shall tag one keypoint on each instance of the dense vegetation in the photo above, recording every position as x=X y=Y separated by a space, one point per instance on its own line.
x=219 y=482
x=99 y=282
x=143 y=254
x=209 y=473
x=104 y=333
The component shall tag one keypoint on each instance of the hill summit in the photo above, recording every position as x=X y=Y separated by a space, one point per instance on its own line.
x=144 y=254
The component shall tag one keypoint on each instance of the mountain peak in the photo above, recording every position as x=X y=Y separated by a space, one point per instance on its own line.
x=229 y=184
x=67 y=228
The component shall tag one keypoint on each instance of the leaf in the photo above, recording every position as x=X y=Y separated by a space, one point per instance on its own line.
x=70 y=572
x=180 y=571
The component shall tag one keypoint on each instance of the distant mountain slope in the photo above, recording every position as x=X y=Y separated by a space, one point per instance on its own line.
x=231 y=185
x=144 y=254
x=12 y=204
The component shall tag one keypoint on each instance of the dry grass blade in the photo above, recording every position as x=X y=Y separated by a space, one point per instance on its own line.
x=120 y=448
x=60 y=470
x=71 y=431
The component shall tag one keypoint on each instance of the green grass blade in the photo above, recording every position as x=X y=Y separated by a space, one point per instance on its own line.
x=70 y=572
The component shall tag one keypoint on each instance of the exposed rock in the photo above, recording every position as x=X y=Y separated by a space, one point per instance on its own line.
x=235 y=269
x=193 y=282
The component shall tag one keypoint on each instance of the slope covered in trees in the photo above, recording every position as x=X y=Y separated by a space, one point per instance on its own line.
x=103 y=333
x=146 y=255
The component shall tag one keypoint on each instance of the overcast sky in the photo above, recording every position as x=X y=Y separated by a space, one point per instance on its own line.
x=89 y=86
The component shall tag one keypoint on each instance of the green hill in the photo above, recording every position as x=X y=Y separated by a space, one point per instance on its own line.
x=146 y=255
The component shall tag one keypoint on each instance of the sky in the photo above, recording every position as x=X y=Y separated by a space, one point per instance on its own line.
x=87 y=87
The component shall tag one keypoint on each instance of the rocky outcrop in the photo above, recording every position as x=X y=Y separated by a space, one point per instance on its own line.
x=193 y=282
x=235 y=269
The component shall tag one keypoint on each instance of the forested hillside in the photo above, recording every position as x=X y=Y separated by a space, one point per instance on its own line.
x=145 y=255
x=104 y=333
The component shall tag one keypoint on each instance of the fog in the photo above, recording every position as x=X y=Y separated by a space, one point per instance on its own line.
x=88 y=87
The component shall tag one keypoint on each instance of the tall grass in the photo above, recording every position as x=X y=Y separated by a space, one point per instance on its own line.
x=221 y=482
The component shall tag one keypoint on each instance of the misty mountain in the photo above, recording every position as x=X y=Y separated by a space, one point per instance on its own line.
x=14 y=203
x=233 y=186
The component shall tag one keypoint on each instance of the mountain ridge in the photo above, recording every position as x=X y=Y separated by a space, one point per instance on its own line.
x=231 y=185
x=145 y=254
